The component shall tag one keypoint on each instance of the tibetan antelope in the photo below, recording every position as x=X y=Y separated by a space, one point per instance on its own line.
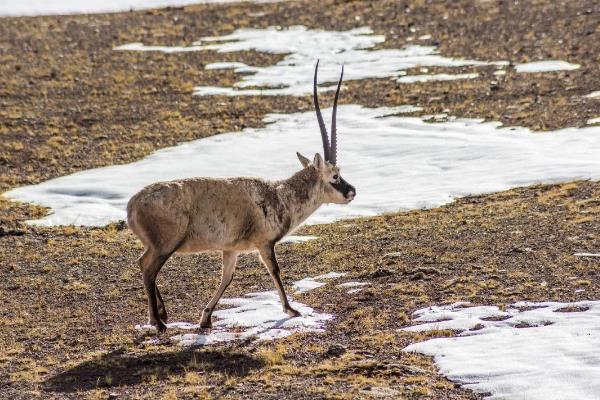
x=232 y=215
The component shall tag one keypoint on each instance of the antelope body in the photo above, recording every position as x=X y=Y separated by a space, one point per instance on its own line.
x=232 y=215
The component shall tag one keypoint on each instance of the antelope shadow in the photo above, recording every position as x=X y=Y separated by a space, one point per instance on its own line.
x=118 y=368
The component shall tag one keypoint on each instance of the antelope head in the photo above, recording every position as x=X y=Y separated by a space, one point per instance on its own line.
x=337 y=189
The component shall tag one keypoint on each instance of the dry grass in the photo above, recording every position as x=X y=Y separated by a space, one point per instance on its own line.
x=69 y=102
x=71 y=296
x=77 y=339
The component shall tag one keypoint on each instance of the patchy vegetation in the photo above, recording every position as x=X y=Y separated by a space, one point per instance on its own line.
x=69 y=102
x=71 y=296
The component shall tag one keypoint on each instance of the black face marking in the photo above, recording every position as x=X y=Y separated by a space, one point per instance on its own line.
x=343 y=187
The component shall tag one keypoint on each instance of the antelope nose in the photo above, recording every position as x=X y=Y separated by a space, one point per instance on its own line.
x=351 y=194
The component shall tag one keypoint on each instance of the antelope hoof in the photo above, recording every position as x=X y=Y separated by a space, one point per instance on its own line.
x=162 y=314
x=160 y=326
x=206 y=323
x=292 y=313
x=205 y=320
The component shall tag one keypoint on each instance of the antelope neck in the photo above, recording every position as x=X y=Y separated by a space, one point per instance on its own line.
x=302 y=194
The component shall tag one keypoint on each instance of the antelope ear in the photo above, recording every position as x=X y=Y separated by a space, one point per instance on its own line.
x=303 y=160
x=318 y=161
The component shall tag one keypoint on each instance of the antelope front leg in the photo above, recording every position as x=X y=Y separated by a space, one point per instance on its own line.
x=229 y=260
x=267 y=255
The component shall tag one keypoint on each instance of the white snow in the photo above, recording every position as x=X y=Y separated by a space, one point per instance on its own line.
x=587 y=254
x=307 y=284
x=331 y=275
x=16 y=8
x=354 y=286
x=593 y=95
x=394 y=162
x=436 y=77
x=555 y=357
x=227 y=65
x=592 y=121
x=137 y=46
x=546 y=66
x=257 y=316
x=297 y=238
x=352 y=291
x=302 y=46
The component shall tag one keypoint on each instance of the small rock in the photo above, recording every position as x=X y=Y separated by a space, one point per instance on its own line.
x=11 y=232
x=417 y=276
x=380 y=392
x=477 y=327
x=336 y=350
x=381 y=272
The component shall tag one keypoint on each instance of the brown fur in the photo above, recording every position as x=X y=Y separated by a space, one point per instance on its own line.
x=231 y=215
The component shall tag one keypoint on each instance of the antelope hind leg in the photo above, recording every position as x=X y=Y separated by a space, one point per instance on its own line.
x=162 y=310
x=151 y=262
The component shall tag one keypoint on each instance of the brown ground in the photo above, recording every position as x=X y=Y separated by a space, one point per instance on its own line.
x=69 y=102
x=71 y=296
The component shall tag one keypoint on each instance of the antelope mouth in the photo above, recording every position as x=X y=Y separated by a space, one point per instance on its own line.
x=350 y=196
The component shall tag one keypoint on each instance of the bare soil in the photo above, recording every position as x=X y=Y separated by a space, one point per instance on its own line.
x=69 y=102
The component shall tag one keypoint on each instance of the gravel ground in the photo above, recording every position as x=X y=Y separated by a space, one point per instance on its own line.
x=71 y=296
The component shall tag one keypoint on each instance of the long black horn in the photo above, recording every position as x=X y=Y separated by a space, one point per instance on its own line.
x=333 y=114
x=326 y=147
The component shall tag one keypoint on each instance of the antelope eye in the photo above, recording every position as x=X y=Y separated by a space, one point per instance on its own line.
x=336 y=177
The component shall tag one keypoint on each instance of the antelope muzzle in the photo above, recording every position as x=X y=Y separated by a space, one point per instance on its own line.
x=346 y=189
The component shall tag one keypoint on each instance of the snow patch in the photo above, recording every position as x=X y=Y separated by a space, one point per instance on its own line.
x=546 y=66
x=436 y=77
x=307 y=284
x=394 y=162
x=331 y=275
x=593 y=95
x=238 y=66
x=17 y=8
x=587 y=254
x=137 y=46
x=352 y=291
x=297 y=238
x=302 y=46
x=354 y=286
x=255 y=316
x=593 y=121
x=530 y=351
